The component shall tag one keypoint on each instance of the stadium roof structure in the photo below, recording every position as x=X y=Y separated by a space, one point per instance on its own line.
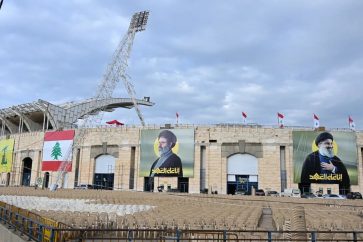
x=42 y=115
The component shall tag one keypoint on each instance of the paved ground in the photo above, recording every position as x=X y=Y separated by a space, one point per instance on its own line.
x=266 y=221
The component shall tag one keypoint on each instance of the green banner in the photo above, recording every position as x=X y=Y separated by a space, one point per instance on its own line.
x=6 y=154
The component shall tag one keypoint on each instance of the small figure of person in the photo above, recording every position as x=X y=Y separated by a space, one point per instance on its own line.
x=168 y=164
x=322 y=166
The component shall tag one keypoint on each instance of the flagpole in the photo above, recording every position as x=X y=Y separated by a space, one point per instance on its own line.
x=280 y=119
x=349 y=122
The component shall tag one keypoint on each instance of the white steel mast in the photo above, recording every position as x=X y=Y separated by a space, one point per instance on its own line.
x=115 y=72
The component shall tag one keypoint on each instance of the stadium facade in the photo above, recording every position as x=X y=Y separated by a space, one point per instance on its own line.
x=221 y=158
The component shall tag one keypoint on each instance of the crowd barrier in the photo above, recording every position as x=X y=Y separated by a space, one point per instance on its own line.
x=30 y=225
x=34 y=227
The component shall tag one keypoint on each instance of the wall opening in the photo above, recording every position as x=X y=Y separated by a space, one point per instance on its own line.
x=46 y=180
x=242 y=174
x=183 y=184
x=8 y=179
x=283 y=168
x=104 y=172
x=132 y=168
x=148 y=184
x=27 y=171
x=203 y=188
x=76 y=171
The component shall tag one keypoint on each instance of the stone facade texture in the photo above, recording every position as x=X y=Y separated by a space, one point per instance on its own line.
x=218 y=141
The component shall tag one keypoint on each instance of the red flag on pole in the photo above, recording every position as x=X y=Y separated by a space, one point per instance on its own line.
x=244 y=117
x=316 y=121
x=280 y=119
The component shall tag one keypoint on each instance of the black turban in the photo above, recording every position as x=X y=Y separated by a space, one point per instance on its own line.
x=170 y=136
x=323 y=136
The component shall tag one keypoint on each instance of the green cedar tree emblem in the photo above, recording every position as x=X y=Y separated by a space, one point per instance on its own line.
x=56 y=151
x=4 y=161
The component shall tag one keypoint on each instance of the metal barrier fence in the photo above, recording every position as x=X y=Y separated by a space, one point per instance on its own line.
x=98 y=235
x=37 y=228
x=30 y=225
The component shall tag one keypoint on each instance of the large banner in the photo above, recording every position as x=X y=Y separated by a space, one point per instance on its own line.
x=6 y=154
x=167 y=152
x=334 y=162
x=57 y=145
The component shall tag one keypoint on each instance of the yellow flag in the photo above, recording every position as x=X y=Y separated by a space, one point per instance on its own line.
x=6 y=154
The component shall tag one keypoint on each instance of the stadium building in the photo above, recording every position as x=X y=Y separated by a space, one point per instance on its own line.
x=221 y=158
x=43 y=145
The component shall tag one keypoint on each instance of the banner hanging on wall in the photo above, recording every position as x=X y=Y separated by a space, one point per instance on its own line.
x=325 y=157
x=168 y=153
x=6 y=154
x=56 y=146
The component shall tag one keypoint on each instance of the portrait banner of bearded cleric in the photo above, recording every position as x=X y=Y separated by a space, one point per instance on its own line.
x=325 y=158
x=167 y=153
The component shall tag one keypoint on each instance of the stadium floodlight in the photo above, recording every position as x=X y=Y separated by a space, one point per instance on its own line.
x=139 y=21
x=115 y=72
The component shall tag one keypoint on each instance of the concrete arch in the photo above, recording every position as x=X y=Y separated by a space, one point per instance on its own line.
x=241 y=164
x=242 y=173
x=105 y=163
x=104 y=172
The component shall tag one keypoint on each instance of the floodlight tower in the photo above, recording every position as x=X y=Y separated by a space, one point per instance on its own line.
x=115 y=72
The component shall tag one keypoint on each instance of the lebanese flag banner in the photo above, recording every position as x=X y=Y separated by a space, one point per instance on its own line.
x=55 y=148
x=244 y=117
x=280 y=120
x=316 y=121
x=351 y=123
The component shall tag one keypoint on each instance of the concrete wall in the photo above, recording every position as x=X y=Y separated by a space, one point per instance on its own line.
x=219 y=141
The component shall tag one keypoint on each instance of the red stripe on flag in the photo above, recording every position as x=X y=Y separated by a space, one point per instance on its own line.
x=54 y=166
x=59 y=135
x=316 y=117
x=244 y=114
x=280 y=115
x=350 y=119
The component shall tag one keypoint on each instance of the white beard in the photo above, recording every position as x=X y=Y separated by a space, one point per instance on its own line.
x=164 y=150
x=326 y=152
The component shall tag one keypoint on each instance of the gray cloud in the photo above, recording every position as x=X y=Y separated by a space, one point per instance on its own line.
x=207 y=60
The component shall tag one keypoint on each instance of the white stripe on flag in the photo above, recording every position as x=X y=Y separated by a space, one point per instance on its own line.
x=64 y=145
x=316 y=123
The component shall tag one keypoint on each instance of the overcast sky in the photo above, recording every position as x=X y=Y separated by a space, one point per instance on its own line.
x=208 y=60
